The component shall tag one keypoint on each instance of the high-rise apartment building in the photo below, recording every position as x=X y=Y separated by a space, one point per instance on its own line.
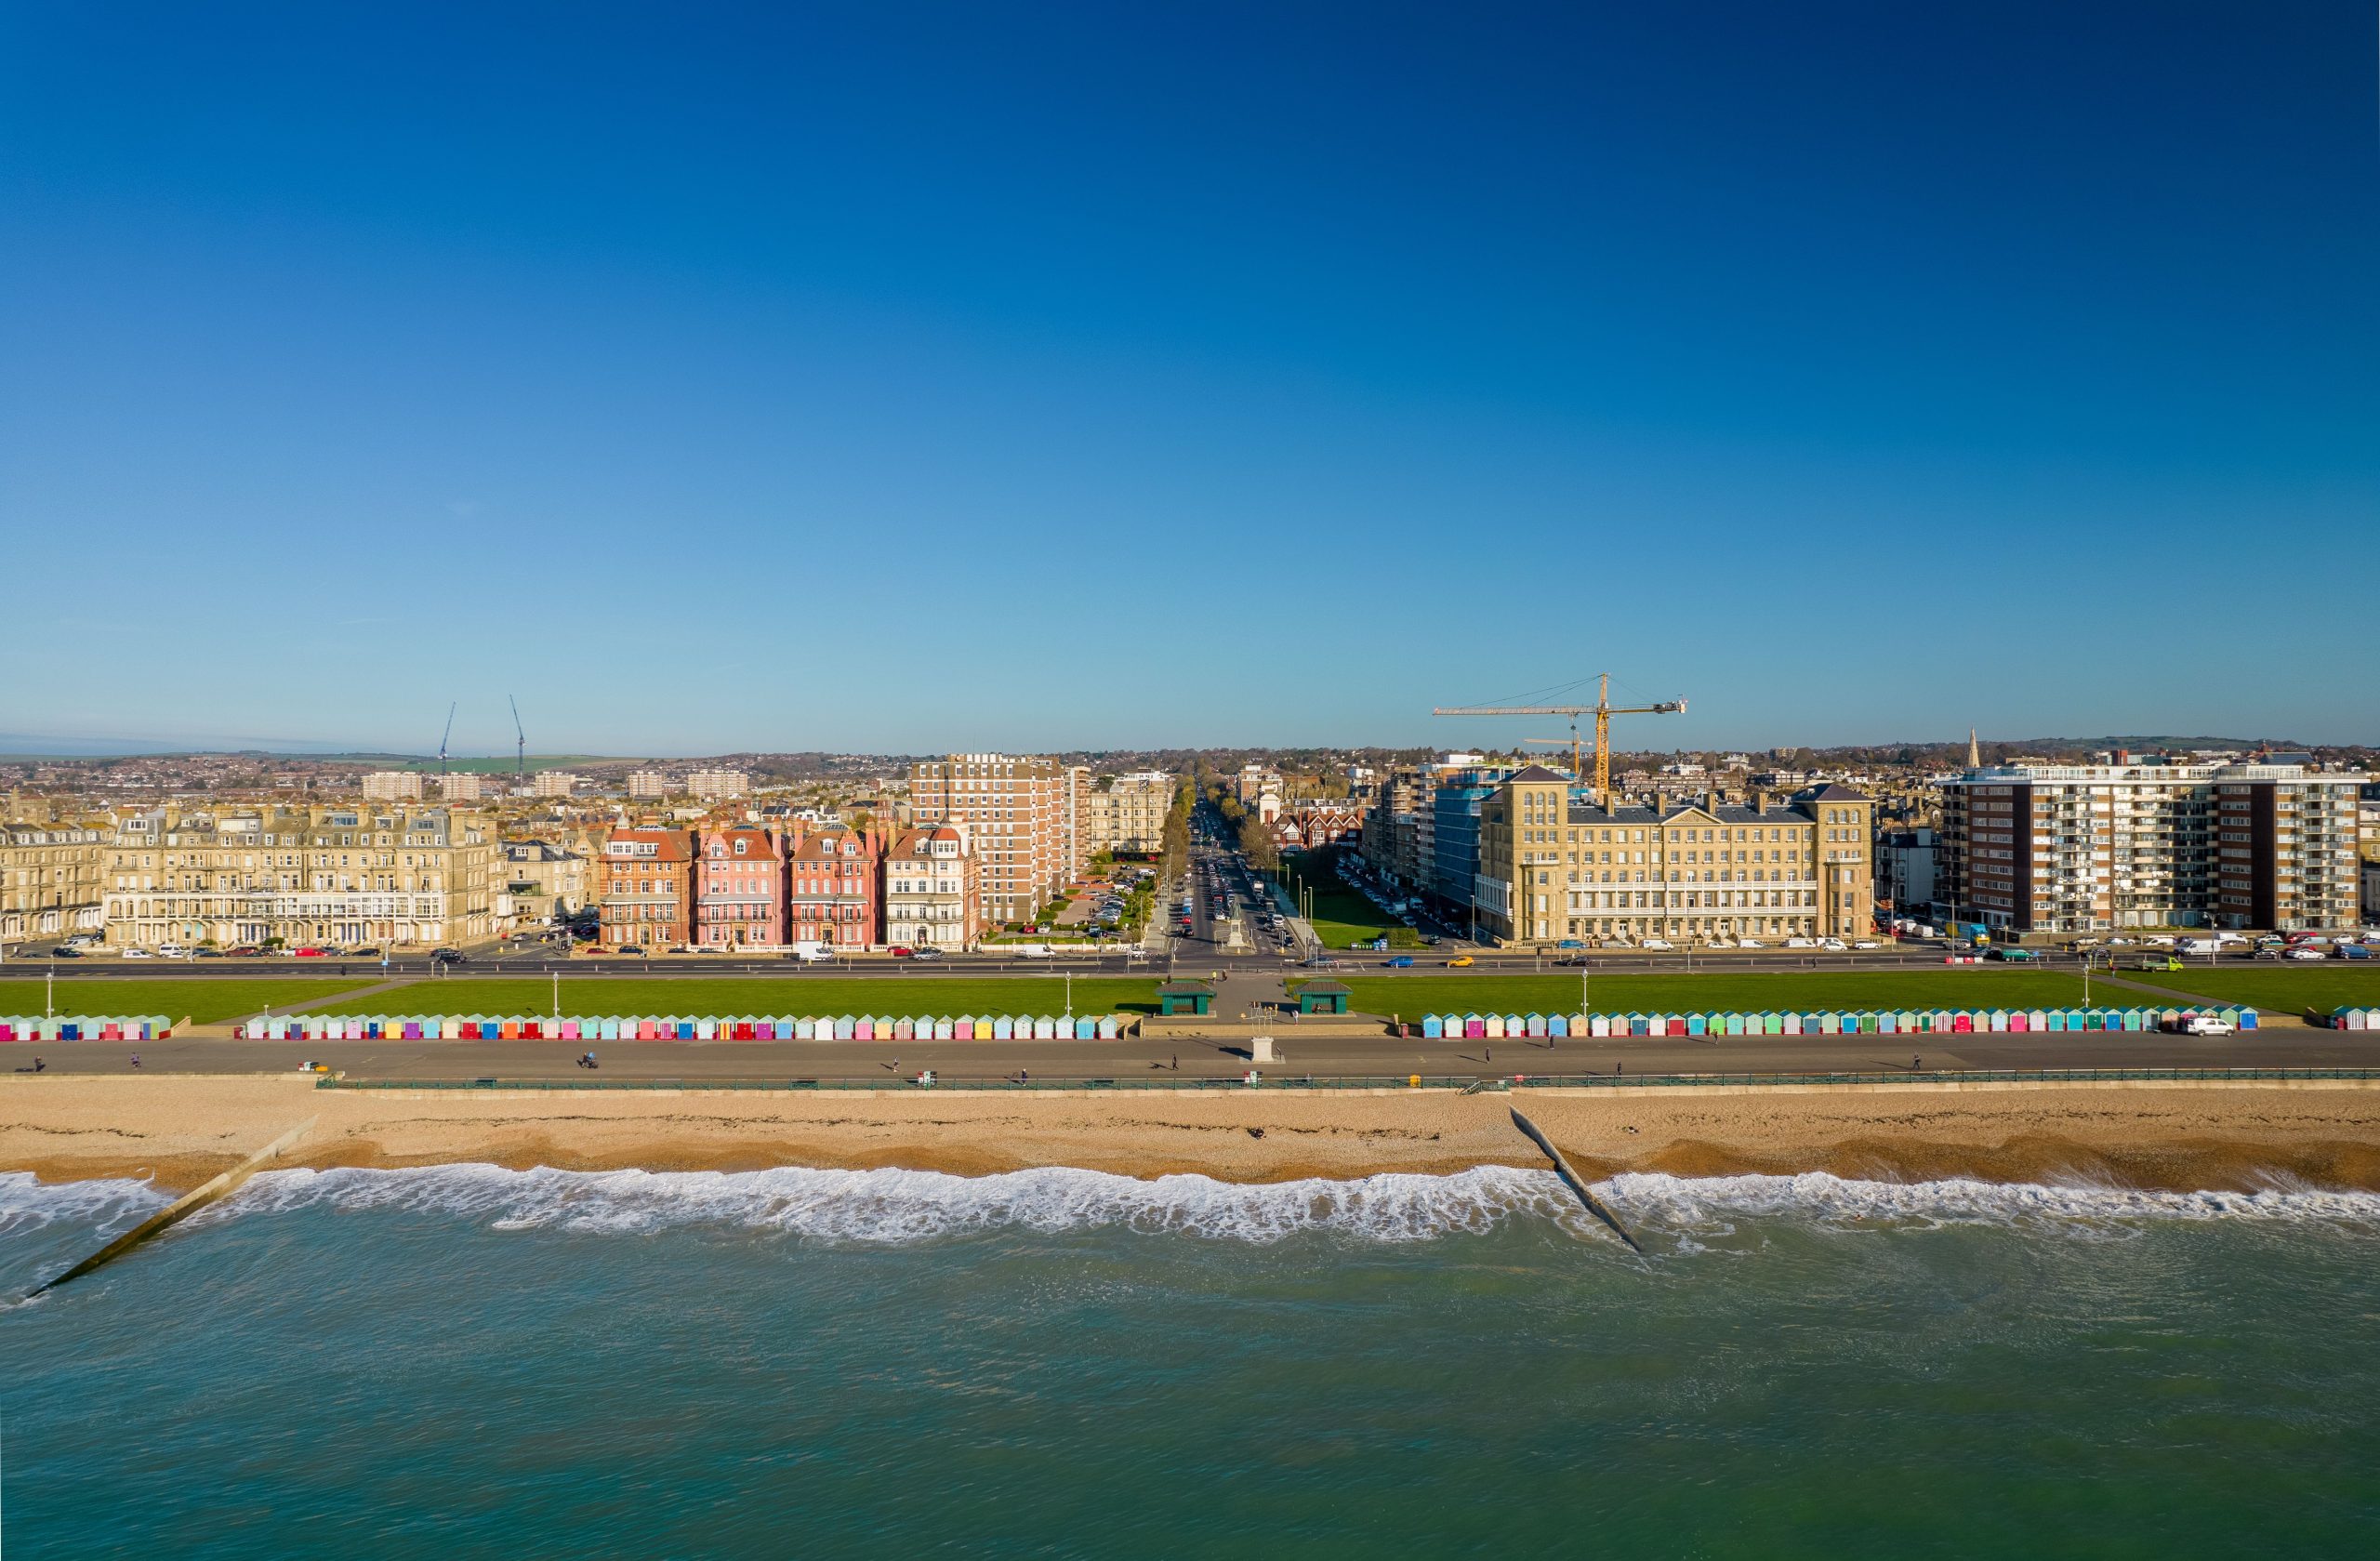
x=648 y=887
x=649 y=785
x=338 y=876
x=710 y=786
x=461 y=787
x=554 y=783
x=1555 y=865
x=392 y=785
x=2088 y=848
x=1024 y=816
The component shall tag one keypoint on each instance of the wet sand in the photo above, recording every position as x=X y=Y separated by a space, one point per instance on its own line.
x=179 y=1129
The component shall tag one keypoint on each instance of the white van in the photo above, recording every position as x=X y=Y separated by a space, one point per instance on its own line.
x=811 y=953
x=1035 y=950
x=2193 y=945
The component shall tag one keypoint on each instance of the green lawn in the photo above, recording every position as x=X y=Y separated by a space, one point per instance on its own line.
x=794 y=996
x=2284 y=989
x=202 y=1001
x=1342 y=915
x=1977 y=987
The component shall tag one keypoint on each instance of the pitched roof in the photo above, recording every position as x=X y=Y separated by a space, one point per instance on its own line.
x=1537 y=774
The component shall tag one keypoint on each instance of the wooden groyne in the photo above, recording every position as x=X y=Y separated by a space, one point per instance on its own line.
x=1576 y=1182
x=182 y=1207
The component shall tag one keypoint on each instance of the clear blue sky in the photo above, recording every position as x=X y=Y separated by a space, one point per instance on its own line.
x=873 y=378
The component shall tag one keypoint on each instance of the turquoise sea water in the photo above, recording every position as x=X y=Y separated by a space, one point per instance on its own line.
x=473 y=1362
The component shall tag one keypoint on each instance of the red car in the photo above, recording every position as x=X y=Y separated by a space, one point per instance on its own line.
x=901 y=951
x=309 y=953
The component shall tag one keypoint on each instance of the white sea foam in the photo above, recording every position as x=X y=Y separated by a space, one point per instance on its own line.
x=1714 y=1203
x=27 y=1205
x=905 y=1206
x=891 y=1207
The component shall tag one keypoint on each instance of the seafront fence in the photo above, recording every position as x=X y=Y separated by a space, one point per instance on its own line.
x=145 y=1026
x=846 y=1026
x=1823 y=1021
x=1262 y=1081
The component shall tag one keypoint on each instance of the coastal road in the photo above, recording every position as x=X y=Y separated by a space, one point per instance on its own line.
x=1219 y=1056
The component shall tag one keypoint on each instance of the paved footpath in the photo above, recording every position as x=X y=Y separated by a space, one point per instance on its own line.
x=1221 y=1054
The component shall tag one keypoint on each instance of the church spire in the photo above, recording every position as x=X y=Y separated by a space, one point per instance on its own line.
x=1975 y=754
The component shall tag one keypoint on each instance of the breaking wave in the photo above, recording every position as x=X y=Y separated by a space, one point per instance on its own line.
x=1705 y=1204
x=27 y=1205
x=892 y=1207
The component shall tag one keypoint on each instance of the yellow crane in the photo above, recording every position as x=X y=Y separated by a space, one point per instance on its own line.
x=1602 y=710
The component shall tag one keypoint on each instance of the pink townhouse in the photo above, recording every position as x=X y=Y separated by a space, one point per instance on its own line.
x=739 y=889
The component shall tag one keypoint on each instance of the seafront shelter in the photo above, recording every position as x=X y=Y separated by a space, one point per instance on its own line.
x=1196 y=999
x=1323 y=997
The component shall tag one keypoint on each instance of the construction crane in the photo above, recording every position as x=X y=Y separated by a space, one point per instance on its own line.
x=1602 y=710
x=520 y=739
x=442 y=736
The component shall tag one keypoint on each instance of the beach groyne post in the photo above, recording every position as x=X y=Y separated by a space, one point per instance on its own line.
x=1576 y=1183
x=210 y=1191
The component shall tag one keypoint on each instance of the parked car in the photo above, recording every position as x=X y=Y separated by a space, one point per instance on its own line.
x=2351 y=950
x=1863 y=943
x=927 y=954
x=1402 y=962
x=68 y=951
x=903 y=951
x=624 y=948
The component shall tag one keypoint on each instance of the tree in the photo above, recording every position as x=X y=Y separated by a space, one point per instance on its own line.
x=1257 y=844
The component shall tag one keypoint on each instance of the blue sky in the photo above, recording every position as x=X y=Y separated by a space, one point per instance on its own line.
x=887 y=378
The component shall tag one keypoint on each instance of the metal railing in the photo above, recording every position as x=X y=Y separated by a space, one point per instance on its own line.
x=1467 y=1084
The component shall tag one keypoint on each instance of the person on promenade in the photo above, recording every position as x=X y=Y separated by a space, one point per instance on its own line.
x=136 y=1059
x=1917 y=1064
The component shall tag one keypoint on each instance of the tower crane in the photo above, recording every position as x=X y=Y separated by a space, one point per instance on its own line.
x=444 y=735
x=1602 y=710
x=520 y=739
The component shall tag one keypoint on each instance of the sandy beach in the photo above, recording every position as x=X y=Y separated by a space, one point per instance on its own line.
x=180 y=1130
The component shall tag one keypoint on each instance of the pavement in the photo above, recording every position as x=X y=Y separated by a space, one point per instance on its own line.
x=1217 y=1055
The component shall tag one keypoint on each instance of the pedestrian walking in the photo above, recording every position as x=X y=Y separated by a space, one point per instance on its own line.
x=1916 y=1064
